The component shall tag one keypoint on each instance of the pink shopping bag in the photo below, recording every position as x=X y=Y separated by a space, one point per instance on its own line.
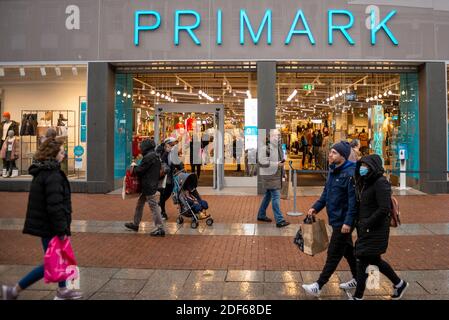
x=58 y=260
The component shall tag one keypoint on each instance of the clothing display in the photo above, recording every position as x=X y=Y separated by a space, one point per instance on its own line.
x=29 y=124
x=5 y=126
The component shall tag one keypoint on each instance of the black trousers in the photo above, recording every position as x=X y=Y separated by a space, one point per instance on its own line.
x=362 y=275
x=340 y=245
x=197 y=168
x=165 y=195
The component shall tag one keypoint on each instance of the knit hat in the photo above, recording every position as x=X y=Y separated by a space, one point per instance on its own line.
x=6 y=115
x=343 y=148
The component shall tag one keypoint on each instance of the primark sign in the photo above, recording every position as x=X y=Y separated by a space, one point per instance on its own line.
x=298 y=27
x=242 y=30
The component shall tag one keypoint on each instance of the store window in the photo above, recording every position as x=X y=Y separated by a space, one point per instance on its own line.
x=37 y=101
x=137 y=99
x=447 y=101
x=406 y=135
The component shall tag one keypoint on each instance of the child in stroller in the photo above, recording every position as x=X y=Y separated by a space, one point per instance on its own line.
x=188 y=200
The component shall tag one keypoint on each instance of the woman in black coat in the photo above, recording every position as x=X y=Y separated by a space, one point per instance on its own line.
x=48 y=213
x=373 y=224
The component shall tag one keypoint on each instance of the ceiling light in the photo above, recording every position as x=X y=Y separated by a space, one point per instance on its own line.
x=43 y=72
x=129 y=96
x=118 y=92
x=153 y=92
x=292 y=95
x=177 y=81
x=390 y=92
x=403 y=92
x=385 y=94
x=162 y=96
x=157 y=94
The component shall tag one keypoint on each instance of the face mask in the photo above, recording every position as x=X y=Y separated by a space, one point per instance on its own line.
x=363 y=171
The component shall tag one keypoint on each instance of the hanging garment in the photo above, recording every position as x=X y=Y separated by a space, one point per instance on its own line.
x=29 y=124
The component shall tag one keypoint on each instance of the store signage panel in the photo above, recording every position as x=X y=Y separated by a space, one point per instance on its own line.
x=250 y=130
x=125 y=30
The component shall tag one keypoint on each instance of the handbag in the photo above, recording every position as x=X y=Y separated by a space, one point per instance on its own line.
x=59 y=260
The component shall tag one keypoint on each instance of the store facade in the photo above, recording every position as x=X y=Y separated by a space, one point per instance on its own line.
x=99 y=73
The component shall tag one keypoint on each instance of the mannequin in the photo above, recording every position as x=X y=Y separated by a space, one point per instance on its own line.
x=10 y=153
x=190 y=122
x=6 y=125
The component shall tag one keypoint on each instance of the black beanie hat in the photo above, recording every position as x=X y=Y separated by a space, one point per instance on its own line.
x=343 y=148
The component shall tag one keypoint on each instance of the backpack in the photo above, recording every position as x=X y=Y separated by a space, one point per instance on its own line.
x=395 y=220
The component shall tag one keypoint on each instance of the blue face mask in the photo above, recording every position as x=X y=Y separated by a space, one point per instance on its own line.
x=363 y=171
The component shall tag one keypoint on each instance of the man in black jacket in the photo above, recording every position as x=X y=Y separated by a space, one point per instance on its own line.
x=339 y=198
x=149 y=172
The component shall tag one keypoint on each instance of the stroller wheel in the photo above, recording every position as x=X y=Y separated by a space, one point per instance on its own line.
x=180 y=220
x=194 y=225
x=210 y=221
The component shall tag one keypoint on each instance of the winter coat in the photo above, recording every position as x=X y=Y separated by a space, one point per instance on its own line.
x=169 y=167
x=271 y=173
x=339 y=196
x=149 y=168
x=14 y=127
x=49 y=211
x=15 y=150
x=373 y=219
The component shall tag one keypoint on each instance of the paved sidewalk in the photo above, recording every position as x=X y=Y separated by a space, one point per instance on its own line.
x=154 y=284
x=246 y=259
x=224 y=209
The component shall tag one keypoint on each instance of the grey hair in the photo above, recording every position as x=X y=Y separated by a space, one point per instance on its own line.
x=354 y=143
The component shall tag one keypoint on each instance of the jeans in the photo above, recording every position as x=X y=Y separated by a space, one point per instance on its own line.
x=384 y=268
x=340 y=245
x=154 y=206
x=275 y=197
x=37 y=273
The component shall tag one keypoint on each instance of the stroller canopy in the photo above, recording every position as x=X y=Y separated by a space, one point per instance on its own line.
x=187 y=181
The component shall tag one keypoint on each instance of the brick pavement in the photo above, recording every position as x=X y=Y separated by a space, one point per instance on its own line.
x=226 y=209
x=214 y=252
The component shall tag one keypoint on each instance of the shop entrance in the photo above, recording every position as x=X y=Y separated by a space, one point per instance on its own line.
x=199 y=130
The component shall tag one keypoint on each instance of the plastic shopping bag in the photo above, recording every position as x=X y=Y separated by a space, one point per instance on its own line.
x=59 y=260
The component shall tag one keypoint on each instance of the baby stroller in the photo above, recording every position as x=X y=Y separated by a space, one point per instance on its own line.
x=190 y=204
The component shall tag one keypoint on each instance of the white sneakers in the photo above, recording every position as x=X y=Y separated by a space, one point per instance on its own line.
x=312 y=289
x=4 y=173
x=351 y=284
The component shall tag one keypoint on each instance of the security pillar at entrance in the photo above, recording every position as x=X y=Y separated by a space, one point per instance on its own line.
x=266 y=100
x=433 y=126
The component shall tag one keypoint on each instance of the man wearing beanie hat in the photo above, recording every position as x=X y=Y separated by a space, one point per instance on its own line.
x=148 y=172
x=340 y=201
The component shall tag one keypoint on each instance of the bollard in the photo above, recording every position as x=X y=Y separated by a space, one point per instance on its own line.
x=294 y=213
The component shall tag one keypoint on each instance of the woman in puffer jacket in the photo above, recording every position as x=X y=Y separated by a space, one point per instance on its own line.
x=49 y=212
x=373 y=224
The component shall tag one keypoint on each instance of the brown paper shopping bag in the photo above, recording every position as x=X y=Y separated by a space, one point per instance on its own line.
x=315 y=236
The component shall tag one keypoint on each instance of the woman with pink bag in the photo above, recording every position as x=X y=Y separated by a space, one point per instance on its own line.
x=48 y=213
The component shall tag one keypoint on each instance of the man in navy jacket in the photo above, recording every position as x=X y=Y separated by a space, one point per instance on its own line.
x=339 y=198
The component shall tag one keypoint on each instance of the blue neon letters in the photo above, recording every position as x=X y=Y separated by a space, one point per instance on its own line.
x=265 y=25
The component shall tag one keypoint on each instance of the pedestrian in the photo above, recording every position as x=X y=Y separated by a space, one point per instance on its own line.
x=373 y=225
x=195 y=155
x=339 y=198
x=271 y=174
x=165 y=152
x=317 y=140
x=148 y=172
x=49 y=213
x=355 y=151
